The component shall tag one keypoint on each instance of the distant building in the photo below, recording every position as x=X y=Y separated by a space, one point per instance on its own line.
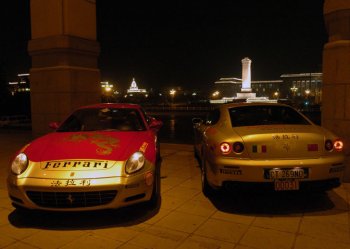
x=134 y=89
x=297 y=88
x=229 y=87
x=302 y=86
x=21 y=85
x=135 y=94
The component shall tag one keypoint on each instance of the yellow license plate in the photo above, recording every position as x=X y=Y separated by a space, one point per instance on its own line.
x=71 y=182
x=287 y=184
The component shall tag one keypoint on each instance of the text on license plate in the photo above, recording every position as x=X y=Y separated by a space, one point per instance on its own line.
x=289 y=184
x=287 y=174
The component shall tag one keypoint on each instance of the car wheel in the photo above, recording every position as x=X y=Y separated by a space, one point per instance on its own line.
x=206 y=188
x=155 y=198
x=197 y=156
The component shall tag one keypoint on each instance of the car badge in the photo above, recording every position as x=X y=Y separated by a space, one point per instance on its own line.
x=286 y=147
x=70 y=199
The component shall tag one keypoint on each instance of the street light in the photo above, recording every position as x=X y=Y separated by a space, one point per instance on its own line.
x=215 y=94
x=172 y=94
x=294 y=90
x=307 y=92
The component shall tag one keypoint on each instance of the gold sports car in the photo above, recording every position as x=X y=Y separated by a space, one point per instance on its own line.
x=102 y=156
x=265 y=146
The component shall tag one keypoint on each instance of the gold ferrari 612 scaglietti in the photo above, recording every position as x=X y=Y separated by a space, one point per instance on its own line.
x=265 y=146
x=101 y=157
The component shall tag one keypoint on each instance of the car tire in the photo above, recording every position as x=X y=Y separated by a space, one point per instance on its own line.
x=155 y=197
x=195 y=152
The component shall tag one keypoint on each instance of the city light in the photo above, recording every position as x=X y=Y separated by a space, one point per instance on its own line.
x=216 y=93
x=294 y=89
x=106 y=86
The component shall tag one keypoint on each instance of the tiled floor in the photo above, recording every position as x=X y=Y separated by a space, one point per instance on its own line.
x=185 y=218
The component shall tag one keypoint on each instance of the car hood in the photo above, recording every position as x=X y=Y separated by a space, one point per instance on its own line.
x=105 y=145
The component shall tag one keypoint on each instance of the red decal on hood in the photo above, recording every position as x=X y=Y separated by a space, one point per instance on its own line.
x=143 y=147
x=105 y=144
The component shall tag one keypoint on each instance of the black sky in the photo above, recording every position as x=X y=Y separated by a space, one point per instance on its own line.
x=188 y=43
x=193 y=43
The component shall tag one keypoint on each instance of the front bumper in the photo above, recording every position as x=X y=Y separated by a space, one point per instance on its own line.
x=80 y=194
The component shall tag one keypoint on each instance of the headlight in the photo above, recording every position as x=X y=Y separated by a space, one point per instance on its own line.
x=19 y=164
x=135 y=162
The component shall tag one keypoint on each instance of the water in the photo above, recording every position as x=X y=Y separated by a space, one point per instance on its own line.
x=177 y=127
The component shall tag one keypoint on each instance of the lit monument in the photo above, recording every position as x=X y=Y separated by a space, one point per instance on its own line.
x=246 y=75
x=134 y=88
x=246 y=90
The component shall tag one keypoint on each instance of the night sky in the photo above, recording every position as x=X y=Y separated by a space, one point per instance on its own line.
x=188 y=43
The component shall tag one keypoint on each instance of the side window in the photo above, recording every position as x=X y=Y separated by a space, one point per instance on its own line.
x=213 y=117
x=147 y=118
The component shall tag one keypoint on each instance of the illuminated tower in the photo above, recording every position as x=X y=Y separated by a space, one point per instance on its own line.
x=246 y=90
x=246 y=75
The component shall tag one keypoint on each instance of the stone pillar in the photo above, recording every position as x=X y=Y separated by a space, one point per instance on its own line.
x=336 y=73
x=64 y=51
x=246 y=75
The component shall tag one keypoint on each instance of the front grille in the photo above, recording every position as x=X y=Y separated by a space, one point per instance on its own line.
x=71 y=199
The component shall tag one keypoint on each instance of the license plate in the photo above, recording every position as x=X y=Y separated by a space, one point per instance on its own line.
x=71 y=182
x=288 y=184
x=287 y=174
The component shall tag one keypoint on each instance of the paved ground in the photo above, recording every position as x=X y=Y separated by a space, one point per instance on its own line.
x=185 y=218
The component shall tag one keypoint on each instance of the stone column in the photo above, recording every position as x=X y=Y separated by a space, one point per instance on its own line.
x=336 y=73
x=64 y=51
x=246 y=75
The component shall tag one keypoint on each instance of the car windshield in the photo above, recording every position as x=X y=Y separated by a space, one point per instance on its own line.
x=265 y=115
x=104 y=119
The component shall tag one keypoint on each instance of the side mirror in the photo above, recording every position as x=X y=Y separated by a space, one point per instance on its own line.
x=155 y=124
x=54 y=125
x=197 y=121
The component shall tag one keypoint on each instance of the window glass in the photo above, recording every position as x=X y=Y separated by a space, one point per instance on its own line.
x=265 y=115
x=102 y=119
x=213 y=117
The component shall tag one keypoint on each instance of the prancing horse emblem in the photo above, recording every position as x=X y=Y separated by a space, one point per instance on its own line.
x=286 y=146
x=70 y=199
